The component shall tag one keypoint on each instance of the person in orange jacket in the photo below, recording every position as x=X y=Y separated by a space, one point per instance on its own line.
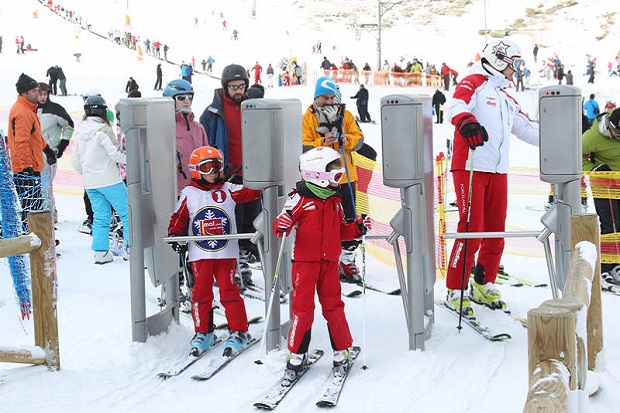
x=27 y=146
x=326 y=123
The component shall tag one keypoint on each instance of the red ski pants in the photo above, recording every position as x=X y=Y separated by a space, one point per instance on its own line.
x=223 y=271
x=489 y=201
x=322 y=277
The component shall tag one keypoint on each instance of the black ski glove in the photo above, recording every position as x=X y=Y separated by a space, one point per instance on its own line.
x=50 y=155
x=61 y=147
x=602 y=168
x=178 y=247
x=475 y=134
x=30 y=172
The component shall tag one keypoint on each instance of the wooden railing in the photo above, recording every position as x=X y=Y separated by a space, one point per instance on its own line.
x=565 y=335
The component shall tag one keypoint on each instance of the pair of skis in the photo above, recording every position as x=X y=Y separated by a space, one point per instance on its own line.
x=330 y=394
x=476 y=325
x=213 y=369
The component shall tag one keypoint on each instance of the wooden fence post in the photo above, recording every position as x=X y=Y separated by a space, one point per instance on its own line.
x=586 y=228
x=44 y=292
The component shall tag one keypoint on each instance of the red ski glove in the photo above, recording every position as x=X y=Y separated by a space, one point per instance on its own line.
x=365 y=224
x=283 y=224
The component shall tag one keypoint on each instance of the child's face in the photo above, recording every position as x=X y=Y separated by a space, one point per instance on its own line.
x=211 y=177
x=336 y=171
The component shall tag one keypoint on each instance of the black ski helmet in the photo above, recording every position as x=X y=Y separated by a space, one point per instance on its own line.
x=234 y=72
x=95 y=106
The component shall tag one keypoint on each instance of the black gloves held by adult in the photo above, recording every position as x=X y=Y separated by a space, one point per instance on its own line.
x=50 y=155
x=61 y=147
x=475 y=134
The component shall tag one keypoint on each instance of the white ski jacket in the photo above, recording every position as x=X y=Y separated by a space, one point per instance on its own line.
x=482 y=93
x=96 y=153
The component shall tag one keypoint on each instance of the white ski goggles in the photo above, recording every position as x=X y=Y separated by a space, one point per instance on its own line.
x=334 y=176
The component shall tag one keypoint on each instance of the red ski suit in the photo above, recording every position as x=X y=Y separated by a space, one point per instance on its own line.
x=320 y=226
x=209 y=209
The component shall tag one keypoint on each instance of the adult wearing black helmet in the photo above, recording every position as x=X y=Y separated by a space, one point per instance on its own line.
x=96 y=155
x=222 y=122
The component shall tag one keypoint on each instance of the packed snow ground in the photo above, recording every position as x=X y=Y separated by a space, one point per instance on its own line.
x=103 y=370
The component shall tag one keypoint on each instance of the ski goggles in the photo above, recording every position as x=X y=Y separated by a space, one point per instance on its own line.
x=334 y=176
x=208 y=166
x=183 y=98
x=614 y=130
x=514 y=63
x=236 y=87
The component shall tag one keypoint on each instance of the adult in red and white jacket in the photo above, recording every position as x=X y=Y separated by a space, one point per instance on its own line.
x=209 y=209
x=485 y=116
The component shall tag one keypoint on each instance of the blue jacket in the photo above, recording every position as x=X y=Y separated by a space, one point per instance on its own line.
x=592 y=109
x=212 y=119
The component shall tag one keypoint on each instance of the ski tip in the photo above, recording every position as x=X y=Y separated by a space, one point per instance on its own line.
x=323 y=403
x=500 y=337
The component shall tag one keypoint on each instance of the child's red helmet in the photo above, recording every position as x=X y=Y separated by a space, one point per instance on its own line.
x=205 y=160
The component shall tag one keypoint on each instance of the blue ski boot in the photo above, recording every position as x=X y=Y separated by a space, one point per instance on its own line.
x=236 y=341
x=201 y=343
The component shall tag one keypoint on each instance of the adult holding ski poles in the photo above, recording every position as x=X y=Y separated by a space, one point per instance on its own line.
x=484 y=116
x=326 y=123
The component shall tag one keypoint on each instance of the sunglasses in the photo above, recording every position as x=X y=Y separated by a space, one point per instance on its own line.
x=208 y=166
x=183 y=98
x=236 y=87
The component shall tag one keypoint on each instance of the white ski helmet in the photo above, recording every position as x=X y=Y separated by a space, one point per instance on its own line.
x=501 y=53
x=313 y=166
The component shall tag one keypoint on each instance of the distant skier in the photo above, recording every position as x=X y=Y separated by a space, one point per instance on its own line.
x=362 y=104
x=439 y=99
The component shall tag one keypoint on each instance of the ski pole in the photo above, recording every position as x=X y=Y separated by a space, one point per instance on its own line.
x=346 y=171
x=364 y=366
x=471 y=180
x=273 y=293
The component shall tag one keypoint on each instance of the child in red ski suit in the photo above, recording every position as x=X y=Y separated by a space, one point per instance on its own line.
x=207 y=207
x=314 y=208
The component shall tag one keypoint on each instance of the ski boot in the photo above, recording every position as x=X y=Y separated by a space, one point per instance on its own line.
x=243 y=277
x=103 y=257
x=236 y=341
x=249 y=258
x=86 y=227
x=201 y=343
x=486 y=294
x=610 y=280
x=295 y=364
x=342 y=361
x=453 y=300
x=349 y=272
